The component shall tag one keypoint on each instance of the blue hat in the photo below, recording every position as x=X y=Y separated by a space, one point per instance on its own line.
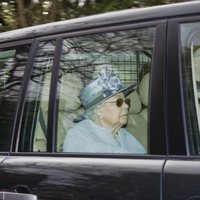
x=105 y=86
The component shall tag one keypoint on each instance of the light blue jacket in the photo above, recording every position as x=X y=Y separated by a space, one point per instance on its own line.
x=86 y=136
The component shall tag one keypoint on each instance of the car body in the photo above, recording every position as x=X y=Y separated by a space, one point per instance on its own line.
x=42 y=70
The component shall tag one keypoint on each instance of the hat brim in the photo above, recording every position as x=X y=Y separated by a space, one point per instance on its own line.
x=126 y=91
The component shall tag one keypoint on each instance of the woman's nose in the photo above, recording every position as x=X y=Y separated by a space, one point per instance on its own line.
x=125 y=105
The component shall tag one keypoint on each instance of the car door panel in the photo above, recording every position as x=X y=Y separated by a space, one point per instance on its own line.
x=182 y=182
x=84 y=178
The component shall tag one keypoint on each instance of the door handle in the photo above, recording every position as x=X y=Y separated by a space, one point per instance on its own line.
x=16 y=196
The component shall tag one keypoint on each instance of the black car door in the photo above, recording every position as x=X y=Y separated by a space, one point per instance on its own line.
x=37 y=164
x=82 y=177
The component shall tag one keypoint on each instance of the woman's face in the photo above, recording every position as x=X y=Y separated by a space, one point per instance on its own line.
x=113 y=116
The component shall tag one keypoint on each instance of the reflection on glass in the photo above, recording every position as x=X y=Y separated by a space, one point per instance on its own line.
x=126 y=53
x=190 y=41
x=12 y=66
x=34 y=122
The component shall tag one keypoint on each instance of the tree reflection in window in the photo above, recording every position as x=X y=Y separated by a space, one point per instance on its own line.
x=12 y=67
x=127 y=53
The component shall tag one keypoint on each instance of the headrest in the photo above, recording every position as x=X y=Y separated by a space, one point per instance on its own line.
x=70 y=87
x=144 y=89
x=144 y=114
x=136 y=105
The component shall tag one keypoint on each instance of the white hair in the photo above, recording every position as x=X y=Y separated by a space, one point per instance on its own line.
x=92 y=113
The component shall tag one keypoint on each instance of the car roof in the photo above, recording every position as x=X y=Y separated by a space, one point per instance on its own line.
x=115 y=17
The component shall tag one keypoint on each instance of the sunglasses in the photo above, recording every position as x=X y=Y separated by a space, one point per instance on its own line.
x=119 y=102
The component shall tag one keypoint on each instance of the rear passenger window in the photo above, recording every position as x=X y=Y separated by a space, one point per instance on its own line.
x=90 y=63
x=190 y=41
x=12 y=66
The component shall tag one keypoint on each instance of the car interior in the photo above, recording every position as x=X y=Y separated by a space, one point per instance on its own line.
x=79 y=64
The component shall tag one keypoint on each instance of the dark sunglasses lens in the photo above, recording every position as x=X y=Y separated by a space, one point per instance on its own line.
x=128 y=101
x=119 y=102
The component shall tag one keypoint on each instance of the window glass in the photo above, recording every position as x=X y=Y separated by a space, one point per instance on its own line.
x=190 y=41
x=34 y=122
x=12 y=65
x=108 y=63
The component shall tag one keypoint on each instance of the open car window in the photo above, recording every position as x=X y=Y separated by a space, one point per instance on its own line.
x=128 y=55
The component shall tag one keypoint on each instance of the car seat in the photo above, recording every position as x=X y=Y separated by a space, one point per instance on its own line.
x=69 y=105
x=138 y=113
x=68 y=109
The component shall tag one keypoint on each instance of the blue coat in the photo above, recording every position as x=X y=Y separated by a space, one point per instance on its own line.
x=86 y=136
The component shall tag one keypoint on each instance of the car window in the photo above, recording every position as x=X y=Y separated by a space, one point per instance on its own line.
x=12 y=66
x=124 y=54
x=190 y=42
x=34 y=121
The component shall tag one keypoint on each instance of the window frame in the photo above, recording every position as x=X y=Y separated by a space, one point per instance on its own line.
x=176 y=119
x=158 y=146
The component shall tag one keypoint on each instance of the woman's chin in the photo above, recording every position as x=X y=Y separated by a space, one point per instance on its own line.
x=124 y=120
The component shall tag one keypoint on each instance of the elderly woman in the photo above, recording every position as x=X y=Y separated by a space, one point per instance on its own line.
x=100 y=127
